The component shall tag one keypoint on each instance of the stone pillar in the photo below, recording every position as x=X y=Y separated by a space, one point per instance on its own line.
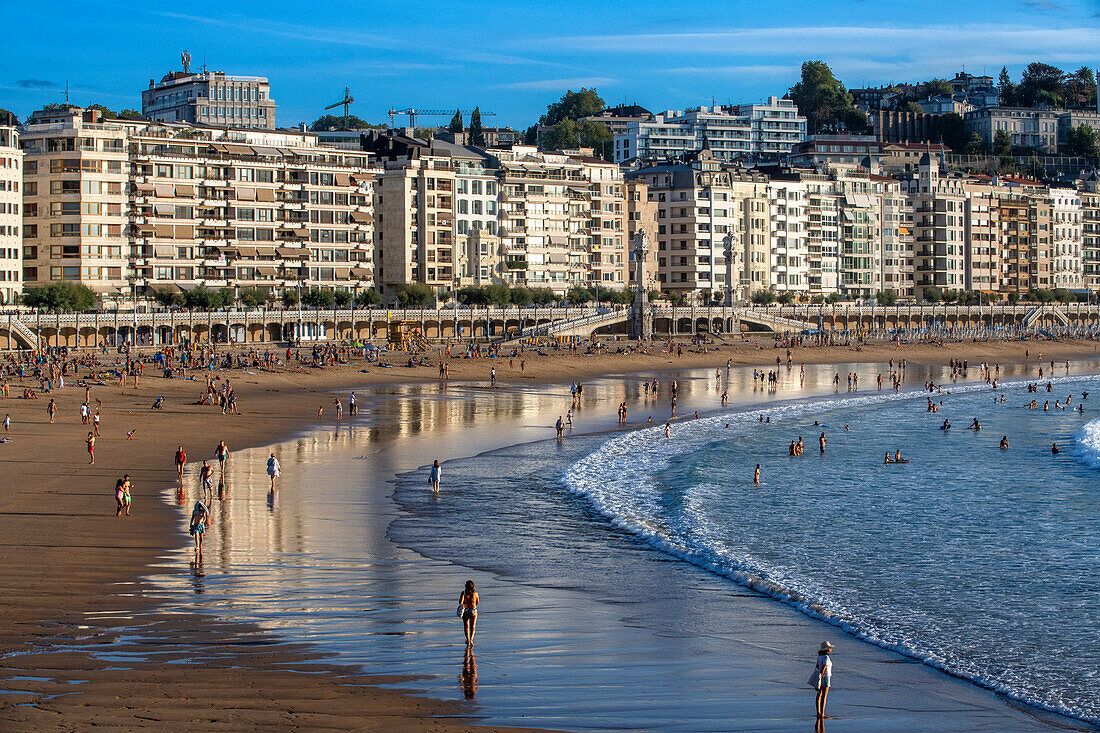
x=641 y=317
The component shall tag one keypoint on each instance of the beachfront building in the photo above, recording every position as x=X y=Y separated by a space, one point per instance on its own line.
x=895 y=216
x=747 y=131
x=938 y=227
x=248 y=209
x=789 y=223
x=1066 y=245
x=131 y=207
x=562 y=220
x=11 y=221
x=76 y=200
x=982 y=236
x=1025 y=242
x=700 y=203
x=209 y=98
x=1089 y=191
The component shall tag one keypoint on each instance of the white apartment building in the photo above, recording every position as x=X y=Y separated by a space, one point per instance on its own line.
x=1067 y=246
x=896 y=217
x=11 y=220
x=210 y=98
x=733 y=132
x=790 y=223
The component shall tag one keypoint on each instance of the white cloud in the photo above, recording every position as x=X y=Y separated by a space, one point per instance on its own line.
x=555 y=84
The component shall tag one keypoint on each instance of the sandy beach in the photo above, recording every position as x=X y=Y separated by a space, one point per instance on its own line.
x=75 y=571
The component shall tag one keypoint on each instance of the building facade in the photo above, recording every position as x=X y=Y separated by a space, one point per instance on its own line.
x=759 y=131
x=210 y=98
x=1027 y=128
x=11 y=219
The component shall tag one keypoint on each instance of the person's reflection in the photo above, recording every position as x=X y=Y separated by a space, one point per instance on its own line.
x=468 y=678
x=272 y=500
x=819 y=726
x=180 y=498
x=197 y=575
x=221 y=489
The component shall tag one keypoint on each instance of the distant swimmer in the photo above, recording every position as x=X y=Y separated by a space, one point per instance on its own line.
x=668 y=430
x=898 y=458
x=727 y=426
x=1004 y=442
x=946 y=425
x=975 y=425
x=886 y=459
x=756 y=475
x=821 y=441
x=1054 y=449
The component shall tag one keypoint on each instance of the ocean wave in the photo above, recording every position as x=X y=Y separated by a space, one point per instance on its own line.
x=618 y=481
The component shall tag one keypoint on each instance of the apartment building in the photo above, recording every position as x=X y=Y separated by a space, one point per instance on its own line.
x=11 y=221
x=759 y=131
x=248 y=209
x=788 y=200
x=896 y=219
x=562 y=220
x=129 y=208
x=1089 y=191
x=76 y=200
x=981 y=223
x=1027 y=128
x=1074 y=118
x=1025 y=243
x=702 y=203
x=1066 y=241
x=938 y=204
x=210 y=98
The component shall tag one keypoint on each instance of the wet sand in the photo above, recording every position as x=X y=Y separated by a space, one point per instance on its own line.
x=74 y=569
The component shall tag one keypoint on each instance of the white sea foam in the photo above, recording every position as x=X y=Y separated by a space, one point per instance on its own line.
x=618 y=479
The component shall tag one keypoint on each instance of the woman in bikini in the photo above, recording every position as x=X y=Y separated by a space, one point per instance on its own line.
x=467 y=602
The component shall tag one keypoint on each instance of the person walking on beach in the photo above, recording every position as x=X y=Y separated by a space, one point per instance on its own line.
x=181 y=461
x=433 y=476
x=90 y=440
x=822 y=677
x=273 y=469
x=560 y=426
x=199 y=516
x=353 y=408
x=206 y=477
x=467 y=611
x=51 y=410
x=221 y=453
x=7 y=422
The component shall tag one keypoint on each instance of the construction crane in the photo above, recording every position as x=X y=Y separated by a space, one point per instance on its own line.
x=413 y=113
x=345 y=102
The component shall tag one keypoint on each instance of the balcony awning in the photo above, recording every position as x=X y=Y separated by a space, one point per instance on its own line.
x=166 y=190
x=185 y=189
x=557 y=259
x=265 y=194
x=164 y=231
x=185 y=231
x=342 y=179
x=261 y=150
x=300 y=233
x=164 y=251
x=246 y=253
x=265 y=251
x=245 y=194
x=293 y=252
x=267 y=271
x=362 y=273
x=559 y=239
x=362 y=217
x=144 y=187
x=164 y=209
x=239 y=149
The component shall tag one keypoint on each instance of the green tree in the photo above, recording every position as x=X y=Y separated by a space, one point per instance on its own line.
x=913 y=108
x=1081 y=140
x=578 y=294
x=342 y=298
x=933 y=294
x=543 y=296
x=975 y=145
x=1006 y=89
x=8 y=117
x=833 y=298
x=952 y=130
x=520 y=295
x=936 y=88
x=886 y=297
x=1041 y=84
x=253 y=297
x=60 y=296
x=763 y=297
x=205 y=298
x=166 y=297
x=472 y=295
x=786 y=297
x=497 y=294
x=324 y=123
x=1081 y=88
x=130 y=114
x=107 y=113
x=573 y=106
x=1002 y=143
x=290 y=297
x=456 y=122
x=368 y=298
x=820 y=97
x=477 y=134
x=318 y=298
x=414 y=294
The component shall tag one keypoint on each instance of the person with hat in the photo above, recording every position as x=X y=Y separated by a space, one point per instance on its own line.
x=822 y=677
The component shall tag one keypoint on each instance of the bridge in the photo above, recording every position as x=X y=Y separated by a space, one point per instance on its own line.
x=256 y=326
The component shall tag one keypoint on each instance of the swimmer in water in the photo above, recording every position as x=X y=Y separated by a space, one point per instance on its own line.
x=975 y=425
x=898 y=458
x=1004 y=442
x=946 y=425
x=756 y=475
x=1054 y=449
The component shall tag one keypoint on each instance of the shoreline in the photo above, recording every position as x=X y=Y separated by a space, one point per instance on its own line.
x=88 y=557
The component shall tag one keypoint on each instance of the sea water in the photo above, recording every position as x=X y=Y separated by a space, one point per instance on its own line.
x=978 y=560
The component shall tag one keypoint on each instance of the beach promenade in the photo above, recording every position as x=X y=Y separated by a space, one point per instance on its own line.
x=78 y=617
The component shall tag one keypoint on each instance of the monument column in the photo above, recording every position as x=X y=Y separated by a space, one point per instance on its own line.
x=641 y=318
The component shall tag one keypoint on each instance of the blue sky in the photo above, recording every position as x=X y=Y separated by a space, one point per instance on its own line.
x=513 y=58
